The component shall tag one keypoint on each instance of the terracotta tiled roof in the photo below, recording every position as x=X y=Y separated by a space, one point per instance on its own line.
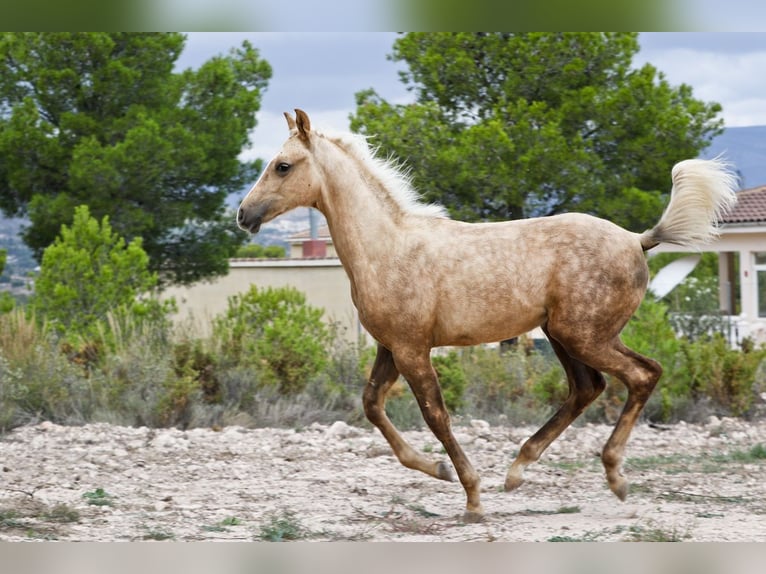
x=750 y=208
x=323 y=232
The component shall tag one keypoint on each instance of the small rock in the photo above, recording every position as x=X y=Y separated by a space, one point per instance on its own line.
x=481 y=427
x=340 y=430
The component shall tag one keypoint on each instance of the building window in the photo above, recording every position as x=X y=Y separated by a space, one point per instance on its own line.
x=760 y=277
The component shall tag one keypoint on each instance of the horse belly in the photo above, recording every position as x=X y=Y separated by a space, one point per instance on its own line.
x=487 y=323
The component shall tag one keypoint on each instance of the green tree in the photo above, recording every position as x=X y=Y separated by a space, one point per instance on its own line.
x=89 y=271
x=512 y=125
x=276 y=331
x=104 y=119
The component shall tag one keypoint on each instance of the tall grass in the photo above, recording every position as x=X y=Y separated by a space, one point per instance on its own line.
x=139 y=371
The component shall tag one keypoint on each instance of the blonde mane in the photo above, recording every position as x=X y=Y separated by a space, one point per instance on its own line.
x=389 y=173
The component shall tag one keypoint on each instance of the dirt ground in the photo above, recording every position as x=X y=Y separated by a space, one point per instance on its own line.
x=339 y=483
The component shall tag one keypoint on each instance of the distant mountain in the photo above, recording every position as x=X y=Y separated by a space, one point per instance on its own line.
x=746 y=148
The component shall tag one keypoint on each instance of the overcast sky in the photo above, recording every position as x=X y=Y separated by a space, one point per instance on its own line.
x=321 y=72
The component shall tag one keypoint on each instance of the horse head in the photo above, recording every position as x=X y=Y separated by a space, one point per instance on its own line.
x=290 y=179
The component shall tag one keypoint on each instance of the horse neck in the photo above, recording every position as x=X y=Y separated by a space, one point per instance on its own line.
x=363 y=218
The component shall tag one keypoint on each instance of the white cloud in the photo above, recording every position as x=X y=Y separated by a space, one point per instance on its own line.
x=271 y=131
x=733 y=79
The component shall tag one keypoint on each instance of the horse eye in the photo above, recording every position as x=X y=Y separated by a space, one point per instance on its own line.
x=283 y=167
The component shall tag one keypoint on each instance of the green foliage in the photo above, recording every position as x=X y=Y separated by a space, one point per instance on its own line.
x=277 y=331
x=513 y=125
x=693 y=304
x=257 y=251
x=99 y=497
x=724 y=375
x=105 y=119
x=517 y=385
x=452 y=380
x=649 y=333
x=137 y=370
x=282 y=527
x=89 y=271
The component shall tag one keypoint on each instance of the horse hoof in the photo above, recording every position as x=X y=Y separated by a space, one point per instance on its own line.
x=473 y=516
x=620 y=488
x=512 y=483
x=444 y=472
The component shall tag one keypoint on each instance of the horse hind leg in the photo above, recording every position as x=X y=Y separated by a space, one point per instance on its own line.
x=640 y=375
x=384 y=375
x=585 y=384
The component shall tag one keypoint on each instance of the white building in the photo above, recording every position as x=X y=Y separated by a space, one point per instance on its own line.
x=742 y=263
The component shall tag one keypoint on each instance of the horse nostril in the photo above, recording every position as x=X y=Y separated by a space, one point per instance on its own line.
x=240 y=216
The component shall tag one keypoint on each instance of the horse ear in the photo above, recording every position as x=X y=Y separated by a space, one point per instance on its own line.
x=290 y=121
x=303 y=123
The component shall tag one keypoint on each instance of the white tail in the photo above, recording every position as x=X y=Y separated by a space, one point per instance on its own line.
x=703 y=191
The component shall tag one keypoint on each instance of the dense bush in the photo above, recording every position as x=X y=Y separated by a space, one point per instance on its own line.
x=271 y=360
x=88 y=272
x=275 y=331
x=701 y=376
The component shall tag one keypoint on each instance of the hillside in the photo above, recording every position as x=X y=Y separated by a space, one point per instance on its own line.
x=19 y=262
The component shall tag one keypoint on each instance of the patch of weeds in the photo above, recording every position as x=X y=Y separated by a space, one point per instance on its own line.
x=223 y=525
x=159 y=534
x=641 y=488
x=282 y=527
x=62 y=513
x=705 y=463
x=231 y=521
x=589 y=536
x=41 y=535
x=675 y=495
x=421 y=510
x=560 y=510
x=568 y=465
x=9 y=519
x=564 y=539
x=669 y=464
x=99 y=497
x=758 y=452
x=653 y=534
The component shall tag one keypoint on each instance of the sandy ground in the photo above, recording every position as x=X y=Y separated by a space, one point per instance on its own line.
x=338 y=483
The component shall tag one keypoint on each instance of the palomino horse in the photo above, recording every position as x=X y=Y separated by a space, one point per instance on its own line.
x=420 y=280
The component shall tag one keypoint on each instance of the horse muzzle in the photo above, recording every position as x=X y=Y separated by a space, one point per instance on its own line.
x=249 y=220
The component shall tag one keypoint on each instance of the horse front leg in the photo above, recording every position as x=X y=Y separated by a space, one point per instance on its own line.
x=384 y=375
x=420 y=374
